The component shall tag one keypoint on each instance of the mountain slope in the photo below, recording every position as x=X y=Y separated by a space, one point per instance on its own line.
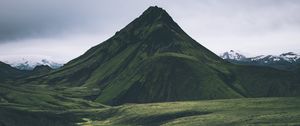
x=152 y=60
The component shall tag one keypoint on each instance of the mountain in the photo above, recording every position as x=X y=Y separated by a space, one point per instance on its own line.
x=8 y=73
x=232 y=55
x=29 y=62
x=153 y=60
x=285 y=61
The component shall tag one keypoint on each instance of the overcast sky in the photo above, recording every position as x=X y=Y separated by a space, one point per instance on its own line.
x=65 y=29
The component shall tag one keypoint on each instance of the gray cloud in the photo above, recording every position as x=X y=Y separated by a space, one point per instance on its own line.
x=253 y=26
x=21 y=19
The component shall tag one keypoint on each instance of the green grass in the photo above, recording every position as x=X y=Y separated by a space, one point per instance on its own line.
x=22 y=116
x=40 y=97
x=232 y=112
x=254 y=111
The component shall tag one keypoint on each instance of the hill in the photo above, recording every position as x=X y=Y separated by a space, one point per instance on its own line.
x=41 y=69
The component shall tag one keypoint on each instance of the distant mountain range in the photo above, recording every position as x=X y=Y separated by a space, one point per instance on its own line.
x=30 y=62
x=283 y=61
x=286 y=61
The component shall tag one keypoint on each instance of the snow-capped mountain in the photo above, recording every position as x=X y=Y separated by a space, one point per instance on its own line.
x=282 y=61
x=288 y=57
x=232 y=55
x=29 y=62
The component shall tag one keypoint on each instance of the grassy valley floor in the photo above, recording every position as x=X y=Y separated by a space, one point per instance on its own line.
x=252 y=111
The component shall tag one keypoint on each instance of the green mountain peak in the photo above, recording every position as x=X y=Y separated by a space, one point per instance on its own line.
x=153 y=22
x=153 y=60
x=155 y=13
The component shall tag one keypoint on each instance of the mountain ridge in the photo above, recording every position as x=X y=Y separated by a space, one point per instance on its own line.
x=284 y=61
x=29 y=62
